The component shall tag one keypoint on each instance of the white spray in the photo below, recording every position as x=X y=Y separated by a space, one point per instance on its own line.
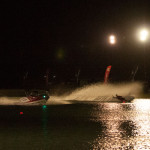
x=99 y=92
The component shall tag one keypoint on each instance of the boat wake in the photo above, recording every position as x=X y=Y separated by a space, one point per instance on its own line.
x=99 y=92
x=95 y=92
x=9 y=100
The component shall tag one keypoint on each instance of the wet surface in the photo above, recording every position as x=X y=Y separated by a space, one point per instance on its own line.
x=88 y=125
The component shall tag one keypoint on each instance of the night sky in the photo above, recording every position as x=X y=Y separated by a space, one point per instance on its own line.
x=65 y=36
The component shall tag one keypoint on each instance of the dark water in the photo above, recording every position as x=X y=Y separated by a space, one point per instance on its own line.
x=78 y=126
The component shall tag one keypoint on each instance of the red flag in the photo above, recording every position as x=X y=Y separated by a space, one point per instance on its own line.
x=107 y=74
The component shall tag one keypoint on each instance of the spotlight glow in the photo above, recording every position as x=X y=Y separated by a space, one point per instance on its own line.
x=112 y=39
x=143 y=35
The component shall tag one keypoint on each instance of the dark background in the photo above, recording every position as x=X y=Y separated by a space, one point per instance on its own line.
x=62 y=37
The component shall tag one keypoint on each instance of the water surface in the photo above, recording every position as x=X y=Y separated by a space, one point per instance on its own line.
x=80 y=125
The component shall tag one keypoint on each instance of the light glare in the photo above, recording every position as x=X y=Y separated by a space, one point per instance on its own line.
x=112 y=39
x=143 y=35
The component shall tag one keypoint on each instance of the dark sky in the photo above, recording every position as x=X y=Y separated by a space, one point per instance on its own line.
x=67 y=35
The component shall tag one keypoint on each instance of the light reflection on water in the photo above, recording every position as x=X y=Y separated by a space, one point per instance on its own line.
x=127 y=125
x=87 y=126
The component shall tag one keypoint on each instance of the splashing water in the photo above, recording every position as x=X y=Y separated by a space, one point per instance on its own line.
x=95 y=92
x=99 y=92
x=9 y=100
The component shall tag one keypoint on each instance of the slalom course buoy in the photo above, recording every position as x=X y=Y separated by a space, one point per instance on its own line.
x=21 y=113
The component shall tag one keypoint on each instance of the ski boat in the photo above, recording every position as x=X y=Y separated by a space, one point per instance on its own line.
x=35 y=97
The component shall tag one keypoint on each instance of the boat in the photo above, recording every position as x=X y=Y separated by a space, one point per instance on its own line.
x=35 y=97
